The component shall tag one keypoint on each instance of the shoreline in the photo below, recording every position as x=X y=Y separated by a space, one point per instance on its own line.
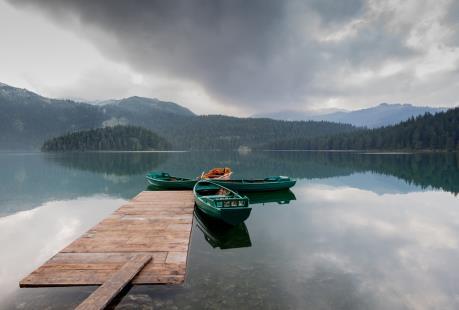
x=375 y=152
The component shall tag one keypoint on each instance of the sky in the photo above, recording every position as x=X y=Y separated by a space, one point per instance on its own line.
x=235 y=57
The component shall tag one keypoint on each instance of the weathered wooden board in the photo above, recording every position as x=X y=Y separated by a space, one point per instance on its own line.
x=157 y=224
x=101 y=297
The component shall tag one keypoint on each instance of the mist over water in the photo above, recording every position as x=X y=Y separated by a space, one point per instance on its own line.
x=358 y=231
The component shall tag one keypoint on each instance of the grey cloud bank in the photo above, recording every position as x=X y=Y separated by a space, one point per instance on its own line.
x=270 y=54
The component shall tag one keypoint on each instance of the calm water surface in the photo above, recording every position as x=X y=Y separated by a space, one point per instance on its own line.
x=358 y=231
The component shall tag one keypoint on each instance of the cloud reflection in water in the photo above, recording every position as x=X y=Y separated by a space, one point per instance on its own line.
x=402 y=249
x=29 y=238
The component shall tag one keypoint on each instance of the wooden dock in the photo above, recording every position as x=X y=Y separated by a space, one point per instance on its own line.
x=156 y=224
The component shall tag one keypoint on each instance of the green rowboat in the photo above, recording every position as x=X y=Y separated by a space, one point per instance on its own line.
x=221 y=203
x=164 y=180
x=276 y=183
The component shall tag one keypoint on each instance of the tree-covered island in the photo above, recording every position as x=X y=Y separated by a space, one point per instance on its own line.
x=117 y=138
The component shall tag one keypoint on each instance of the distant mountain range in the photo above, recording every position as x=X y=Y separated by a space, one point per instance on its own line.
x=28 y=119
x=383 y=114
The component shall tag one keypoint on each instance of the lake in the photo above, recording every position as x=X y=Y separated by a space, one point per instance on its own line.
x=358 y=231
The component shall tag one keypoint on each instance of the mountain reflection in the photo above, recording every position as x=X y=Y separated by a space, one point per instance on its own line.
x=29 y=180
x=436 y=170
x=120 y=164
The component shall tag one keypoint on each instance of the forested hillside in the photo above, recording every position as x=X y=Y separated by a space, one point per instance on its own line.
x=27 y=120
x=117 y=138
x=427 y=132
x=224 y=132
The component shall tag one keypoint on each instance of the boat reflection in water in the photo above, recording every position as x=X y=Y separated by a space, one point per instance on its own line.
x=221 y=235
x=224 y=236
x=281 y=197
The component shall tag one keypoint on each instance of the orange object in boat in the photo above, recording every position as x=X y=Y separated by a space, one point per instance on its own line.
x=217 y=173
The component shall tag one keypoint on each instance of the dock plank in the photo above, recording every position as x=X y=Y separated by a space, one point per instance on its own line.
x=101 y=297
x=156 y=224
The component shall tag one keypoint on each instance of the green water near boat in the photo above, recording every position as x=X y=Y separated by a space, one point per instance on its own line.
x=357 y=231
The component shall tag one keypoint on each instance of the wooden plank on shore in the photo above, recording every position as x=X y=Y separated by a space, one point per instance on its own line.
x=143 y=226
x=103 y=295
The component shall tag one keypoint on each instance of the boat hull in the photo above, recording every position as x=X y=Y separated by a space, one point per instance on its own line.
x=247 y=186
x=176 y=185
x=232 y=216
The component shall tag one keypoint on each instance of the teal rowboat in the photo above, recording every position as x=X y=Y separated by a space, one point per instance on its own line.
x=221 y=203
x=164 y=180
x=276 y=183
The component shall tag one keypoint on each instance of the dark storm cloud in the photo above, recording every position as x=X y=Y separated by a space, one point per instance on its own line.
x=258 y=52
x=336 y=12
